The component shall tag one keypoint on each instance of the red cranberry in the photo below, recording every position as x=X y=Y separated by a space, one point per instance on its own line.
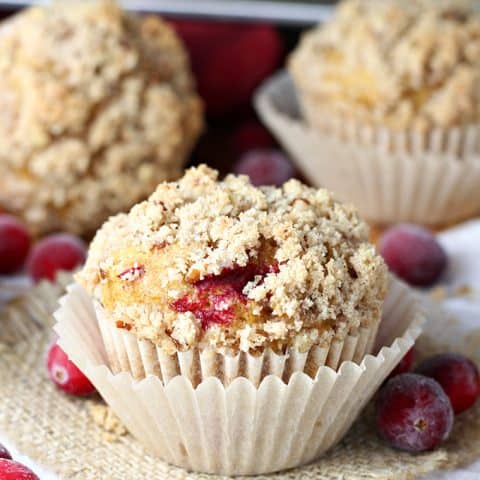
x=413 y=413
x=458 y=376
x=4 y=453
x=217 y=297
x=413 y=253
x=221 y=53
x=405 y=364
x=65 y=373
x=10 y=470
x=14 y=244
x=251 y=135
x=61 y=251
x=265 y=167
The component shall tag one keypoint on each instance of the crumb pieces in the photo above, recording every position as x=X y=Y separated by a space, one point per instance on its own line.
x=463 y=291
x=104 y=417
x=438 y=293
x=443 y=292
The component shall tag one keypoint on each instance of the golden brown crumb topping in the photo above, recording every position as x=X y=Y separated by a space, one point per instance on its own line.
x=223 y=264
x=403 y=63
x=97 y=107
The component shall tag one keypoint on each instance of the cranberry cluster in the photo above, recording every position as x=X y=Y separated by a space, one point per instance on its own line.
x=415 y=411
x=60 y=251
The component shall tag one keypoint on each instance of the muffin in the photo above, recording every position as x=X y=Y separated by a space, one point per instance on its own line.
x=228 y=267
x=389 y=93
x=97 y=108
x=229 y=326
x=403 y=65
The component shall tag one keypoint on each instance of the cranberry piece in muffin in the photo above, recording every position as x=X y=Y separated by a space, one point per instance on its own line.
x=217 y=298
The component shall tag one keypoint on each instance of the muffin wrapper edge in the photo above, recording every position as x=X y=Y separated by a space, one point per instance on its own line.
x=430 y=178
x=240 y=428
x=127 y=353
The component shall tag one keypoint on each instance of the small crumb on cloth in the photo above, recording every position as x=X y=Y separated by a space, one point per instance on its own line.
x=104 y=417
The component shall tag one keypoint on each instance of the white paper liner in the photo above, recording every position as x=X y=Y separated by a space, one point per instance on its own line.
x=390 y=177
x=127 y=353
x=239 y=429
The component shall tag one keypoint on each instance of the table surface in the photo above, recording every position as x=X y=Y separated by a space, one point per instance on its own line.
x=462 y=246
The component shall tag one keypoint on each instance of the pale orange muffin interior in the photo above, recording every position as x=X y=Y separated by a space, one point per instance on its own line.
x=223 y=264
x=398 y=63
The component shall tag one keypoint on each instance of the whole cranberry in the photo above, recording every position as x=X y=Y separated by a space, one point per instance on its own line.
x=4 y=453
x=14 y=244
x=251 y=135
x=413 y=413
x=66 y=375
x=229 y=60
x=405 y=364
x=60 y=251
x=458 y=376
x=10 y=470
x=413 y=253
x=265 y=167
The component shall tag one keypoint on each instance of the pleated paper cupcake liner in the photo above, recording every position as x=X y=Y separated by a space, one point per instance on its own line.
x=127 y=353
x=240 y=428
x=430 y=178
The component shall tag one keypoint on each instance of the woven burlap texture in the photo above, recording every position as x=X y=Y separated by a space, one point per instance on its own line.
x=59 y=432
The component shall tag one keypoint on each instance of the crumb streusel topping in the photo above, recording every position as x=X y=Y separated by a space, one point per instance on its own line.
x=97 y=107
x=223 y=264
x=399 y=63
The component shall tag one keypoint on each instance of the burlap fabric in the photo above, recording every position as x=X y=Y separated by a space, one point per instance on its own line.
x=60 y=433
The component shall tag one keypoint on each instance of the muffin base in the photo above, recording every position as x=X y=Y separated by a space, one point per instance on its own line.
x=430 y=178
x=239 y=428
x=127 y=353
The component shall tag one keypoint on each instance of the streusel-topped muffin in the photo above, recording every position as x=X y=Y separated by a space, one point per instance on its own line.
x=225 y=265
x=96 y=108
x=401 y=64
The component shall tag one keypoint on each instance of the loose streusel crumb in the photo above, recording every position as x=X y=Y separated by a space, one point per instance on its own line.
x=104 y=417
x=399 y=63
x=463 y=291
x=439 y=293
x=224 y=264
x=97 y=107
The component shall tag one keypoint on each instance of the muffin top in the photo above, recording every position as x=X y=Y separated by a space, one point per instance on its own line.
x=400 y=63
x=226 y=265
x=96 y=108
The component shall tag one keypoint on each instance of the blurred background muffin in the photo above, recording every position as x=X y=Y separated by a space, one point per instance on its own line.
x=393 y=63
x=390 y=96
x=97 y=108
